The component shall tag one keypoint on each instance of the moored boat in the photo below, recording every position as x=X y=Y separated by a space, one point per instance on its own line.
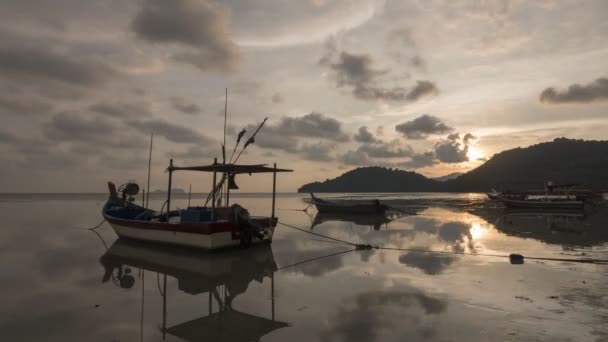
x=493 y=195
x=543 y=201
x=204 y=227
x=348 y=206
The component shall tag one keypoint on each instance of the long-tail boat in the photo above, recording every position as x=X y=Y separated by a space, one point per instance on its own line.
x=206 y=227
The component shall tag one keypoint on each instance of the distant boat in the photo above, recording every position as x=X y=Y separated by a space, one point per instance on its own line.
x=543 y=201
x=204 y=227
x=493 y=195
x=348 y=206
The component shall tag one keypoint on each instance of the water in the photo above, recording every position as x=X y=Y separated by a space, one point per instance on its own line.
x=54 y=289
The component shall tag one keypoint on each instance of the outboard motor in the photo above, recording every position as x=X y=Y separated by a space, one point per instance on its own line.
x=128 y=191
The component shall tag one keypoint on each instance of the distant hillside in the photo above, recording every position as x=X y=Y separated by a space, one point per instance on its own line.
x=562 y=160
x=448 y=176
x=374 y=179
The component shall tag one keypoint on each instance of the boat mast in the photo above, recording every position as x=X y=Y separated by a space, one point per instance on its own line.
x=169 y=188
x=149 y=166
x=224 y=145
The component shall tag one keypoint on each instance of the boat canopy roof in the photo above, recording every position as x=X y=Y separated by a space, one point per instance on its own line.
x=229 y=168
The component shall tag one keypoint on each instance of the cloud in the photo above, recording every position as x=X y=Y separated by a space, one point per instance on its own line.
x=452 y=150
x=180 y=104
x=7 y=137
x=195 y=153
x=121 y=110
x=72 y=127
x=33 y=61
x=17 y=104
x=277 y=98
x=393 y=149
x=576 y=93
x=192 y=23
x=170 y=131
x=364 y=136
x=422 y=126
x=316 y=152
x=356 y=72
x=420 y=160
x=355 y=158
x=313 y=125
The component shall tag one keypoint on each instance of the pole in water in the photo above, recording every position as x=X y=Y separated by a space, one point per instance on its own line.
x=189 y=194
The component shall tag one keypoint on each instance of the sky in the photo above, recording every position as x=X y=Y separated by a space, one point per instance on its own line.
x=431 y=86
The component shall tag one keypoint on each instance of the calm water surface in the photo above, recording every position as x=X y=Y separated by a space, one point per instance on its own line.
x=62 y=282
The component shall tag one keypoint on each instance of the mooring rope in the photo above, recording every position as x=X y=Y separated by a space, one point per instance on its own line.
x=98 y=225
x=514 y=258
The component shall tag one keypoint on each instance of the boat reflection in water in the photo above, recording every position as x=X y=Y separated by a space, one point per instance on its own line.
x=223 y=275
x=558 y=226
x=375 y=220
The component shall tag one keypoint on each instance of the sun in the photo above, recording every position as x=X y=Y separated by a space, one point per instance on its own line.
x=474 y=153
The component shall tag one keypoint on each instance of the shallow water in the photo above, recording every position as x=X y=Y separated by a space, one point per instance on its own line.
x=63 y=282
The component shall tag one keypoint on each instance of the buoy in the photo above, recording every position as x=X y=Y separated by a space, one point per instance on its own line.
x=516 y=259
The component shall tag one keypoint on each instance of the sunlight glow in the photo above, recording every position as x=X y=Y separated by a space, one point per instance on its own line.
x=474 y=153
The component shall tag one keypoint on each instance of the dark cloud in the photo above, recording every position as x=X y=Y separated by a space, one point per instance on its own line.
x=452 y=149
x=72 y=127
x=180 y=104
x=34 y=61
x=316 y=152
x=420 y=160
x=7 y=137
x=195 y=24
x=364 y=136
x=355 y=158
x=393 y=149
x=122 y=110
x=422 y=126
x=356 y=72
x=313 y=125
x=576 y=93
x=17 y=104
x=170 y=131
x=277 y=98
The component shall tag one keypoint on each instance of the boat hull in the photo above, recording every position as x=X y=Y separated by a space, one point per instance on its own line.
x=206 y=236
x=539 y=204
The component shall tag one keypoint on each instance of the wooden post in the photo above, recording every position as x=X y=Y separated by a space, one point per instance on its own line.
x=274 y=187
x=143 y=198
x=213 y=190
x=169 y=188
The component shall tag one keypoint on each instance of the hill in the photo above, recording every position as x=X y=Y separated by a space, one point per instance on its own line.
x=375 y=179
x=448 y=176
x=562 y=160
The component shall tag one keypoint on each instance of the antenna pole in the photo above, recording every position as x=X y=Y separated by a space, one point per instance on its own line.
x=224 y=146
x=149 y=166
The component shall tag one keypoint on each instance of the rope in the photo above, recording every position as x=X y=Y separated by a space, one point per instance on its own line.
x=514 y=258
x=98 y=225
x=317 y=258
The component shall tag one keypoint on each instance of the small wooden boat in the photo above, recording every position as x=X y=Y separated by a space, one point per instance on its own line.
x=543 y=201
x=204 y=227
x=348 y=206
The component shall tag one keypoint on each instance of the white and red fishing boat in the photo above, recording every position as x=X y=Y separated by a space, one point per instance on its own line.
x=206 y=227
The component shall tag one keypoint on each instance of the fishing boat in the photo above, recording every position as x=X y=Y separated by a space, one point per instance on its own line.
x=493 y=195
x=348 y=205
x=207 y=227
x=543 y=201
